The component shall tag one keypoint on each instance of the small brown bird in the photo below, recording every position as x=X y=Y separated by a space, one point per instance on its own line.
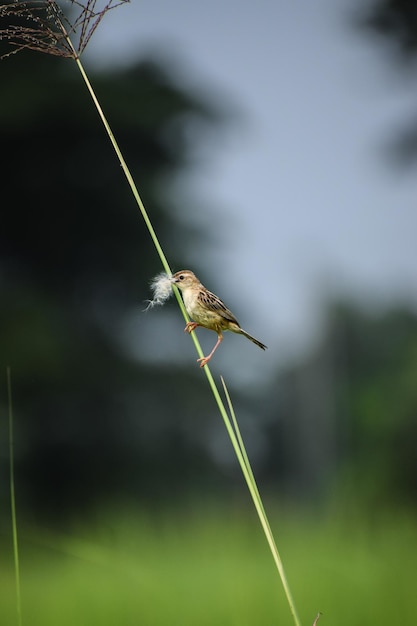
x=207 y=310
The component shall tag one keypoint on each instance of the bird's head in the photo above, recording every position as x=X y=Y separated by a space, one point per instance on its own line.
x=184 y=279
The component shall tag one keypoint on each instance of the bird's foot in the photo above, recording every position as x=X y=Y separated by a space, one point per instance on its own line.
x=190 y=326
x=203 y=360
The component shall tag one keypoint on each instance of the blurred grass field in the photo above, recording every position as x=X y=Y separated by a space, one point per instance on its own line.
x=212 y=566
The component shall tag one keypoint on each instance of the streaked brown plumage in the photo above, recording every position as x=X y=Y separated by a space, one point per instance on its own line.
x=207 y=310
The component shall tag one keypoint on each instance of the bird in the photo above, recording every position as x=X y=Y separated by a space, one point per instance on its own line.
x=207 y=311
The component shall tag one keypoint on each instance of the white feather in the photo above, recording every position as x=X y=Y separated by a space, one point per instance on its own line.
x=161 y=287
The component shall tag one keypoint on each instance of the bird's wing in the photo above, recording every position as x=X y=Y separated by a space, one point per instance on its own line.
x=213 y=303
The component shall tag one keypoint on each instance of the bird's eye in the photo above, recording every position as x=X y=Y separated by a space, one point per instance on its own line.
x=182 y=277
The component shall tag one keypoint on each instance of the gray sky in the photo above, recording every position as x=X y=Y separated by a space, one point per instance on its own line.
x=299 y=193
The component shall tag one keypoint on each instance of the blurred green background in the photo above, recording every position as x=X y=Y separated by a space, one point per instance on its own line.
x=131 y=507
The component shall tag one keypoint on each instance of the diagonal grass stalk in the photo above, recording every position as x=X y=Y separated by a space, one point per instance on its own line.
x=13 y=501
x=236 y=439
x=240 y=450
x=232 y=430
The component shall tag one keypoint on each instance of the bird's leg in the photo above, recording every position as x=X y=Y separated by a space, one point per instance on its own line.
x=190 y=326
x=205 y=359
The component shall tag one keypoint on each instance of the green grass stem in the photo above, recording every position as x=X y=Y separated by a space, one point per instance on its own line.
x=13 y=501
x=236 y=439
x=240 y=449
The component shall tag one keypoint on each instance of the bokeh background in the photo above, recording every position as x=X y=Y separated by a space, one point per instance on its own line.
x=275 y=148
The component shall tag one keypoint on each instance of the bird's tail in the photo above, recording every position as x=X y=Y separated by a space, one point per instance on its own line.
x=248 y=336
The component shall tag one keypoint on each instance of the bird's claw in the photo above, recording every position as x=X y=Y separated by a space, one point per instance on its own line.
x=203 y=361
x=190 y=326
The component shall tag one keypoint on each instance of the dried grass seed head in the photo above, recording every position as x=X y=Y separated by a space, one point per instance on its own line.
x=42 y=26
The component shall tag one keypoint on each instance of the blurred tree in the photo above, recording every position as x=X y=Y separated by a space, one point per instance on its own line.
x=384 y=428
x=396 y=21
x=92 y=422
x=347 y=415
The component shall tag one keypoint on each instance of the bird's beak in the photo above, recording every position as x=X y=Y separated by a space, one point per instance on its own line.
x=173 y=280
